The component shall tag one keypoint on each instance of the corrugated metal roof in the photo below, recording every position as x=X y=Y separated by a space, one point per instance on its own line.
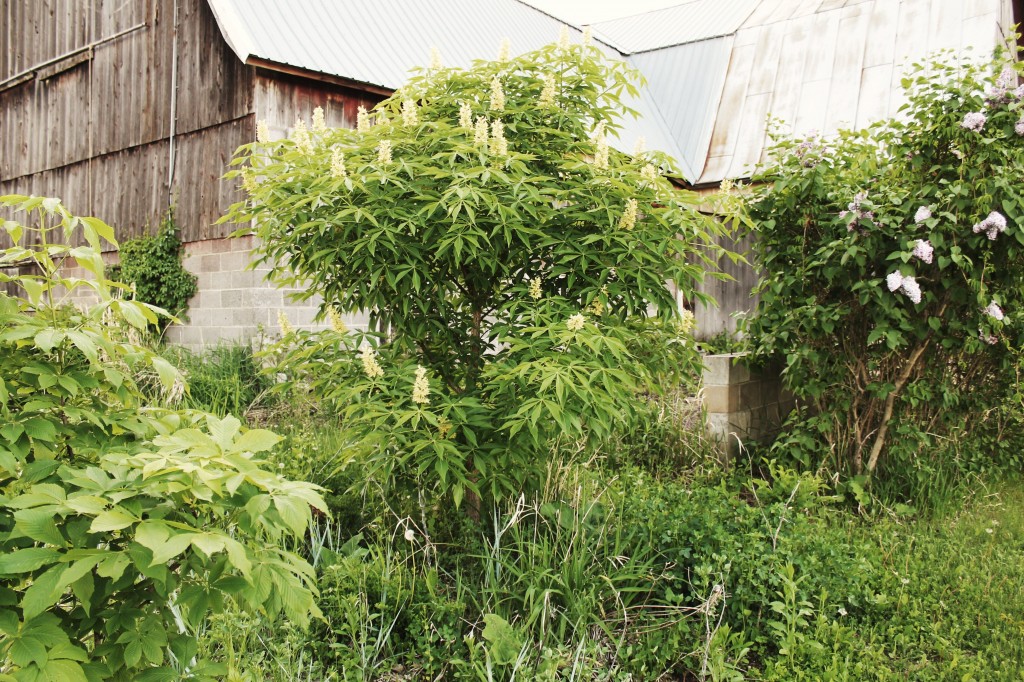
x=716 y=68
x=686 y=23
x=822 y=65
x=378 y=42
x=686 y=83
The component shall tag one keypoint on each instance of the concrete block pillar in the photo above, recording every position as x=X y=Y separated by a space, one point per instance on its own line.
x=742 y=404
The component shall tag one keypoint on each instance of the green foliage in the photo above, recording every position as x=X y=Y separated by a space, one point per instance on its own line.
x=852 y=232
x=224 y=379
x=151 y=266
x=510 y=254
x=122 y=525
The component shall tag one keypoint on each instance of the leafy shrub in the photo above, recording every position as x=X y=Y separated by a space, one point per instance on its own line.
x=151 y=265
x=515 y=260
x=893 y=266
x=122 y=526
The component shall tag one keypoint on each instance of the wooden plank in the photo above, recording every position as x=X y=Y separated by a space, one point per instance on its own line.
x=979 y=35
x=909 y=33
x=765 y=12
x=976 y=8
x=829 y=5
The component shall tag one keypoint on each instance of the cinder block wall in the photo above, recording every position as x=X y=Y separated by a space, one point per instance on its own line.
x=233 y=303
x=741 y=404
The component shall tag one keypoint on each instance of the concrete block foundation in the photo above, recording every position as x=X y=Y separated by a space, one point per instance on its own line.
x=234 y=304
x=742 y=404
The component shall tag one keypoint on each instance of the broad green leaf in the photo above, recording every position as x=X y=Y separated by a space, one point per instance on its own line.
x=175 y=545
x=29 y=559
x=152 y=534
x=165 y=370
x=112 y=519
x=43 y=592
x=255 y=440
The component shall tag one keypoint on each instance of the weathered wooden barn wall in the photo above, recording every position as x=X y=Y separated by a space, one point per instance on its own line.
x=96 y=127
x=281 y=98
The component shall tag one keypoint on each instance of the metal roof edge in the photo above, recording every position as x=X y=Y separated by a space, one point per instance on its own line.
x=232 y=29
x=303 y=72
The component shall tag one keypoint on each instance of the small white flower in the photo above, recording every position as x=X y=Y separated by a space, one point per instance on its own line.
x=300 y=135
x=420 y=386
x=563 y=38
x=912 y=289
x=576 y=322
x=362 y=120
x=262 y=132
x=989 y=531
x=465 y=116
x=338 y=165
x=923 y=214
x=480 y=132
x=384 y=152
x=497 y=95
x=894 y=281
x=588 y=35
x=337 y=324
x=628 y=220
x=435 y=59
x=410 y=534
x=284 y=324
x=842 y=611
x=640 y=147
x=319 y=122
x=995 y=312
x=410 y=114
x=923 y=250
x=504 y=49
x=371 y=367
x=905 y=581
x=547 y=94
x=499 y=145
x=535 y=291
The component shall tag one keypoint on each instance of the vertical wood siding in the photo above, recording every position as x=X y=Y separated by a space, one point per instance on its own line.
x=95 y=130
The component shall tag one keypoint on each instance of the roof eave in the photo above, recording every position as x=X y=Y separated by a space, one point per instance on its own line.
x=288 y=69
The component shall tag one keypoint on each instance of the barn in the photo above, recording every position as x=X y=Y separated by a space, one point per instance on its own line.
x=128 y=108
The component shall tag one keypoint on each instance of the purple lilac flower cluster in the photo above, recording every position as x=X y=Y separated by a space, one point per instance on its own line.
x=809 y=151
x=993 y=225
x=856 y=212
x=974 y=120
x=1005 y=89
x=923 y=250
x=995 y=312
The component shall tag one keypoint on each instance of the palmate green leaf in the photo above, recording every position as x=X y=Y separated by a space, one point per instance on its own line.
x=117 y=518
x=43 y=593
x=255 y=440
x=29 y=559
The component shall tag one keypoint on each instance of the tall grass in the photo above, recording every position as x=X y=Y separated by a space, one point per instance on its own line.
x=222 y=379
